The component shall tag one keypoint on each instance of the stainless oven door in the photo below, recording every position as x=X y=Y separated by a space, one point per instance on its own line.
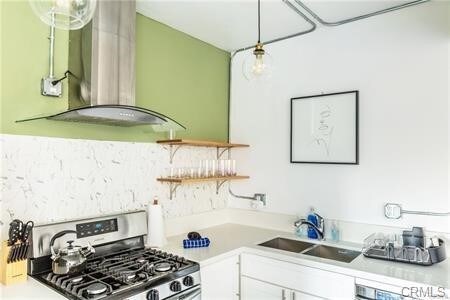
x=194 y=293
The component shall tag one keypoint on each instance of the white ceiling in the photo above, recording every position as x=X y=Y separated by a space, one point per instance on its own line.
x=232 y=24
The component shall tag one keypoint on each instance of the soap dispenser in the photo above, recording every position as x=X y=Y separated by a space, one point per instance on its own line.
x=335 y=234
x=312 y=217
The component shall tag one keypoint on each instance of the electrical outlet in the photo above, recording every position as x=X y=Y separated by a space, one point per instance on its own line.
x=259 y=201
x=392 y=211
x=261 y=198
x=50 y=89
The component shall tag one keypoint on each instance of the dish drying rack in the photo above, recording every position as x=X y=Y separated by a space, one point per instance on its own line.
x=406 y=248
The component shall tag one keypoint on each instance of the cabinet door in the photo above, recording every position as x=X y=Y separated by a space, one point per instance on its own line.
x=311 y=281
x=296 y=295
x=220 y=280
x=252 y=289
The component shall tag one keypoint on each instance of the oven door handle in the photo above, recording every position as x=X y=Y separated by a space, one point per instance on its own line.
x=188 y=294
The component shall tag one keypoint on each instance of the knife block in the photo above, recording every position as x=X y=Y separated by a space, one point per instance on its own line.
x=13 y=272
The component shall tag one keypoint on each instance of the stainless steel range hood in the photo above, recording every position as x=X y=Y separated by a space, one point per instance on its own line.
x=102 y=72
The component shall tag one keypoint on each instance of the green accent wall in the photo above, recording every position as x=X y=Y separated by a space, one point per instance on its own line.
x=176 y=75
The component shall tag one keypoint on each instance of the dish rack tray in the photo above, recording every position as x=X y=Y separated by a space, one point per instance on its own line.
x=380 y=246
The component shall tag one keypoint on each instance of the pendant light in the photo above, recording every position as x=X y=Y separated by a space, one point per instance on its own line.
x=257 y=65
x=64 y=14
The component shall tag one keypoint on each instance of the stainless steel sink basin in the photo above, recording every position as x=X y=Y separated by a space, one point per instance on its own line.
x=334 y=253
x=287 y=245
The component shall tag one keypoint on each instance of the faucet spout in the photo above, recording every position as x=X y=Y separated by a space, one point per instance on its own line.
x=320 y=230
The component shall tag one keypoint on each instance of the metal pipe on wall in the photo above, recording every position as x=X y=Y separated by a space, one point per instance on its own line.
x=361 y=17
x=51 y=38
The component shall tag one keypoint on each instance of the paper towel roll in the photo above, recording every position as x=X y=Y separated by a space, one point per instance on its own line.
x=155 y=226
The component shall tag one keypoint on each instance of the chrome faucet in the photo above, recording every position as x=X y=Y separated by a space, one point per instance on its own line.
x=319 y=229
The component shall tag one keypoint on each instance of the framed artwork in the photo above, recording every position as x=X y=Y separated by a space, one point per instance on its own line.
x=324 y=129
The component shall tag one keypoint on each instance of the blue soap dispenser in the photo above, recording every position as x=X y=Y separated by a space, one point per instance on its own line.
x=312 y=217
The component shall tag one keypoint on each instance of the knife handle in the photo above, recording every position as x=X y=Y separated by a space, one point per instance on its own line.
x=28 y=227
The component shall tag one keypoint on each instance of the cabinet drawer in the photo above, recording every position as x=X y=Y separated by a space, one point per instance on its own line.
x=252 y=289
x=297 y=277
x=220 y=280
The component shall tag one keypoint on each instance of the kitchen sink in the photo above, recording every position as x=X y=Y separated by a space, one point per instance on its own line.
x=334 y=253
x=287 y=245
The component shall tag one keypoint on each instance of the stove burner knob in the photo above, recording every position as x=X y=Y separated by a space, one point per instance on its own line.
x=188 y=281
x=175 y=286
x=153 y=295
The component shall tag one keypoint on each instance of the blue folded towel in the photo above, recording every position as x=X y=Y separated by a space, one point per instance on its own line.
x=202 y=242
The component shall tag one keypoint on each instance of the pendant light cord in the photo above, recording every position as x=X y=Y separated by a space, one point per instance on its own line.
x=259 y=21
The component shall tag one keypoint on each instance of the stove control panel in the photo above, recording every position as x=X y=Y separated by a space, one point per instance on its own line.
x=96 y=228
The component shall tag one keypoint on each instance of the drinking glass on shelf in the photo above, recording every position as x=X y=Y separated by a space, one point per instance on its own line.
x=228 y=167
x=233 y=167
x=200 y=170
x=206 y=168
x=170 y=172
x=180 y=173
x=213 y=172
x=191 y=172
x=222 y=170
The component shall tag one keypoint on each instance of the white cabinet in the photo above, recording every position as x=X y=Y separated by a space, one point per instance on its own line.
x=296 y=295
x=252 y=289
x=296 y=277
x=220 y=280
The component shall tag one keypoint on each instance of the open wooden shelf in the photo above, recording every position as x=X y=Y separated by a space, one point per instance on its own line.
x=221 y=147
x=193 y=180
x=176 y=182
x=200 y=143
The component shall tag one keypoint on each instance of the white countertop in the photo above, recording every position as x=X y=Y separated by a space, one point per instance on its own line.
x=232 y=239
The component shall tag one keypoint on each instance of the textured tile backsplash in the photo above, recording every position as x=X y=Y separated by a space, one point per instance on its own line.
x=49 y=179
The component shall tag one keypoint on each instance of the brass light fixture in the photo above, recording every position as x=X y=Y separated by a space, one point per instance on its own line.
x=257 y=66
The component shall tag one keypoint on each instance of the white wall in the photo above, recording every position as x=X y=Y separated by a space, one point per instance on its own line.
x=399 y=63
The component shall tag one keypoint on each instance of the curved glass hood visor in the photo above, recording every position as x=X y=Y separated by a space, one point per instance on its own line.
x=116 y=115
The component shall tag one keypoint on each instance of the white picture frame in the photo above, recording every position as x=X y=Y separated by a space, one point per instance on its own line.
x=324 y=129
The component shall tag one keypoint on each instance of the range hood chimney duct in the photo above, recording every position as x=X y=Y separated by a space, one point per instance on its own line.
x=102 y=67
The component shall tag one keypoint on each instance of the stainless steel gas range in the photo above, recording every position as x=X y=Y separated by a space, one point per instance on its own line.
x=120 y=268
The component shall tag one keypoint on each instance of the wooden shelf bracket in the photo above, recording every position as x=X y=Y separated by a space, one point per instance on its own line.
x=221 y=151
x=174 y=183
x=173 y=150
x=221 y=147
x=173 y=186
x=219 y=184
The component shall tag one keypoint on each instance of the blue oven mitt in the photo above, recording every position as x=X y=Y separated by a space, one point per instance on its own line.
x=195 y=240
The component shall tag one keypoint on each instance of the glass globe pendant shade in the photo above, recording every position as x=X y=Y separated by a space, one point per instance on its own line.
x=258 y=64
x=64 y=14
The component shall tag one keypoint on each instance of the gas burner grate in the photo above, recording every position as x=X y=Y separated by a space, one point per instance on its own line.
x=115 y=273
